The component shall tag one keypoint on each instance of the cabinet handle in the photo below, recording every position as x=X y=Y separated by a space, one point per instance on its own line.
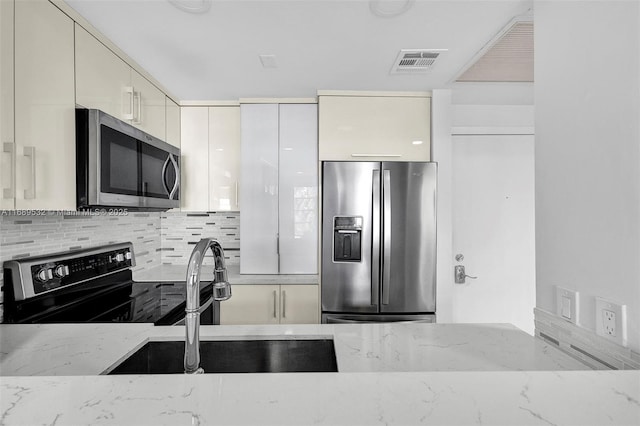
x=128 y=115
x=30 y=151
x=137 y=119
x=9 y=192
x=284 y=303
x=376 y=155
x=275 y=308
x=237 y=201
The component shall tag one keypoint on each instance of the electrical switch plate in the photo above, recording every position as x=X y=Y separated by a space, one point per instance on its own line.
x=567 y=306
x=611 y=320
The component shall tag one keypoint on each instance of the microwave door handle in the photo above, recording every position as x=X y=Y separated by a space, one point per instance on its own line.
x=164 y=175
x=176 y=185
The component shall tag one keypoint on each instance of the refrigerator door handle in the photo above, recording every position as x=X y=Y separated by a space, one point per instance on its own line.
x=375 y=233
x=386 y=235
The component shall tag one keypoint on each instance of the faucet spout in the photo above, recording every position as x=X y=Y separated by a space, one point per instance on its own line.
x=221 y=291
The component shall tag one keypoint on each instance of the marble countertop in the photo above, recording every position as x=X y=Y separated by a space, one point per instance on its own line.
x=388 y=374
x=177 y=273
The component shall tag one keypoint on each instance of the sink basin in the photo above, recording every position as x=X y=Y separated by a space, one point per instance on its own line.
x=234 y=356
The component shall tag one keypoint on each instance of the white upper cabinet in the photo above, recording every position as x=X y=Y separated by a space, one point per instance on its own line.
x=279 y=175
x=102 y=78
x=173 y=123
x=378 y=128
x=44 y=107
x=7 y=140
x=148 y=106
x=224 y=158
x=194 y=152
x=106 y=82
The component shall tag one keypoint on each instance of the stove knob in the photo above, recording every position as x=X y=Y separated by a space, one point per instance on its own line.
x=44 y=275
x=119 y=257
x=61 y=271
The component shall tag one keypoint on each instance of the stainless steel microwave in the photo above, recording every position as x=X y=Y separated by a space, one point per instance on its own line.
x=118 y=165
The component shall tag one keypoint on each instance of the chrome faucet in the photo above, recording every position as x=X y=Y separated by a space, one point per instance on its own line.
x=221 y=291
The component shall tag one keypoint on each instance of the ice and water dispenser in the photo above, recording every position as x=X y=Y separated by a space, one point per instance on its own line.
x=347 y=237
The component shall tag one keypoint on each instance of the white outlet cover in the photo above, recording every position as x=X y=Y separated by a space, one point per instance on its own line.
x=603 y=307
x=568 y=304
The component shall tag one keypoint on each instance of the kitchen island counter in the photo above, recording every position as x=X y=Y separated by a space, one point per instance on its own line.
x=388 y=373
x=178 y=273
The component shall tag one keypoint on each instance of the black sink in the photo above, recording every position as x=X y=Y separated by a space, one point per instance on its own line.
x=235 y=356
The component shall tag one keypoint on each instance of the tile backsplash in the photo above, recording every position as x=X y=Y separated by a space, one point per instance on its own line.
x=158 y=238
x=181 y=231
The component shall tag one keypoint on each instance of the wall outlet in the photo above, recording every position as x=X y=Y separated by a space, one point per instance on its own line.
x=567 y=304
x=611 y=320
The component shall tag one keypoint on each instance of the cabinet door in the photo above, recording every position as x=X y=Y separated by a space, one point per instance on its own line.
x=194 y=153
x=44 y=107
x=370 y=128
x=259 y=196
x=148 y=106
x=173 y=123
x=299 y=304
x=251 y=304
x=224 y=158
x=101 y=77
x=298 y=189
x=7 y=141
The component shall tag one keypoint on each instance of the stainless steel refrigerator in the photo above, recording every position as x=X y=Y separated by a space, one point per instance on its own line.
x=378 y=241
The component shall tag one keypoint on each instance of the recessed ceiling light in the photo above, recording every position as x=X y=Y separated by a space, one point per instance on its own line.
x=192 y=6
x=417 y=142
x=268 y=61
x=288 y=149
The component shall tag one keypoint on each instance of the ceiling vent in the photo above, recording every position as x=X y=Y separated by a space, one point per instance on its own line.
x=508 y=57
x=416 y=60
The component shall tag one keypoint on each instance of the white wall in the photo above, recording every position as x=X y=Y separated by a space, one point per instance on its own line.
x=587 y=106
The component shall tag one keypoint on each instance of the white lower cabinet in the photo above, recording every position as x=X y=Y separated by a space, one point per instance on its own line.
x=271 y=304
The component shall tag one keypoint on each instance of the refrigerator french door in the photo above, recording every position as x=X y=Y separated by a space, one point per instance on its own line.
x=378 y=241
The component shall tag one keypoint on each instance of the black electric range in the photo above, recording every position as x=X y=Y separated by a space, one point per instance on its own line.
x=94 y=285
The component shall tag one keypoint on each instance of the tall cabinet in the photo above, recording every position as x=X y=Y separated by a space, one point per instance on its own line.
x=279 y=196
x=43 y=151
x=7 y=159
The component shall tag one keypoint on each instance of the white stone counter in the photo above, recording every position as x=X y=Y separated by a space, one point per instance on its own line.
x=406 y=373
x=178 y=273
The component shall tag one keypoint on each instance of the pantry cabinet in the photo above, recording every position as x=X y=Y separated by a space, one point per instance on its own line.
x=271 y=304
x=374 y=127
x=106 y=82
x=279 y=174
x=44 y=151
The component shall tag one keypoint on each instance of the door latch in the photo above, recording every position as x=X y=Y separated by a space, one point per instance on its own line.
x=460 y=275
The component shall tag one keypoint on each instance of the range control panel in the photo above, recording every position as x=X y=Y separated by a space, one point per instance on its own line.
x=51 y=275
x=34 y=276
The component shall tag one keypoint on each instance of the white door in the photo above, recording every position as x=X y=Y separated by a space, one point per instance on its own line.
x=493 y=228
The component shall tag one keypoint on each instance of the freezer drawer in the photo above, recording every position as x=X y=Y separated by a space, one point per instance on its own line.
x=349 y=319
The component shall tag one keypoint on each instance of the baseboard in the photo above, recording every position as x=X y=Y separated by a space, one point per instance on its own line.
x=585 y=345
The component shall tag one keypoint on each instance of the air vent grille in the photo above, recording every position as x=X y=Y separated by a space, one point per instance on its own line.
x=416 y=60
x=506 y=58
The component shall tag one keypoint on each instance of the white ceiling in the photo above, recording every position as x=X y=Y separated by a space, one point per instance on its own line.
x=319 y=44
